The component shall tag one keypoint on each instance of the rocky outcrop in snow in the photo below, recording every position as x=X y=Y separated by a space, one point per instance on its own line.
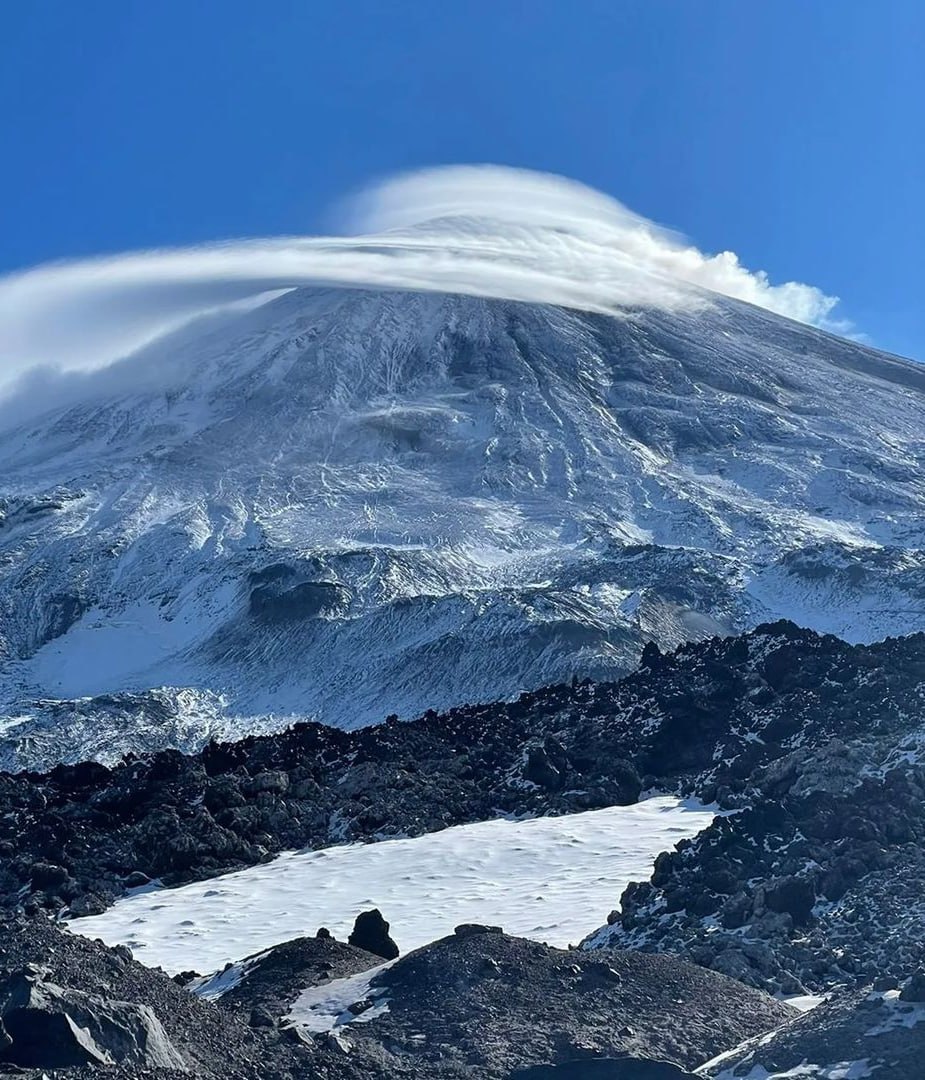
x=71 y=1004
x=482 y=1003
x=816 y=881
x=487 y=1004
x=477 y=1004
x=46 y=1026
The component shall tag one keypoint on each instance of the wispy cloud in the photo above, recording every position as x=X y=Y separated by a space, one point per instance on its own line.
x=480 y=230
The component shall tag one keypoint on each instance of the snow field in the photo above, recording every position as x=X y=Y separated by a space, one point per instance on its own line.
x=550 y=878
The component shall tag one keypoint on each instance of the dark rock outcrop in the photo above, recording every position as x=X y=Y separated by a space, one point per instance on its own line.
x=817 y=880
x=474 y=929
x=268 y=983
x=860 y=1033
x=371 y=934
x=623 y=1068
x=70 y=1003
x=483 y=1004
x=488 y=1004
x=50 y=1027
x=815 y=743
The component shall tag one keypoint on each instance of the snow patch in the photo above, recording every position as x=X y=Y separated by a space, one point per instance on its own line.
x=842 y=1070
x=325 y=1007
x=212 y=987
x=902 y=1014
x=544 y=878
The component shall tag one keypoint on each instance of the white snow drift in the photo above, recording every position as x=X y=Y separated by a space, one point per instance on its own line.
x=544 y=878
x=478 y=230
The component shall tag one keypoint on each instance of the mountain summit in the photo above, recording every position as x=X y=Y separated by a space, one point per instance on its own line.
x=349 y=503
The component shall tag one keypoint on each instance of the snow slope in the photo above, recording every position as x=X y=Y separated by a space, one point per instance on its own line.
x=350 y=503
x=542 y=878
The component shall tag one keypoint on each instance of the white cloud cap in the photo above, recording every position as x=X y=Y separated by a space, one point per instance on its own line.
x=481 y=230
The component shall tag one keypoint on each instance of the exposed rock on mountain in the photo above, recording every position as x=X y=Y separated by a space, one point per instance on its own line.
x=484 y=1004
x=68 y=1003
x=371 y=934
x=481 y=1003
x=816 y=882
x=478 y=1004
x=263 y=987
x=349 y=503
x=866 y=1033
x=47 y=1026
x=794 y=894
x=622 y=1068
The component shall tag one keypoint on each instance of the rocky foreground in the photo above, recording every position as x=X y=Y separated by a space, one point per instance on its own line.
x=817 y=881
x=872 y=1032
x=478 y=1003
x=811 y=880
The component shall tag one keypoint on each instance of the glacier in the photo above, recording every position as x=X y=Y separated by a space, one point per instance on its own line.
x=347 y=503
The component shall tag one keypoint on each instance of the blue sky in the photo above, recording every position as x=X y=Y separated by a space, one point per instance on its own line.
x=789 y=132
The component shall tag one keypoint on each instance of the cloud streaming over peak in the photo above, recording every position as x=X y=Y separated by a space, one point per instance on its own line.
x=480 y=230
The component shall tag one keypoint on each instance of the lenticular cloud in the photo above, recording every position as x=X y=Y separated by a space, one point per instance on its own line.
x=479 y=230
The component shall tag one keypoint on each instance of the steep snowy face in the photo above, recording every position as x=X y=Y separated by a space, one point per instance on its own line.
x=345 y=504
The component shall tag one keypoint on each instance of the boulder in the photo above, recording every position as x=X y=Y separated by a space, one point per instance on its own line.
x=471 y=929
x=371 y=932
x=49 y=1027
x=261 y=1018
x=794 y=896
x=541 y=771
x=87 y=904
x=913 y=988
x=47 y=875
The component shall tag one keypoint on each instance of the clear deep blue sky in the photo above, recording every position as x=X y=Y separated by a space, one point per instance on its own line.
x=790 y=131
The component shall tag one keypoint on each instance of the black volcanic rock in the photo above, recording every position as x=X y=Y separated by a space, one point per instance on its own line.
x=371 y=934
x=622 y=1068
x=474 y=929
x=67 y=1002
x=705 y=720
x=487 y=1005
x=813 y=882
x=818 y=881
x=860 y=1033
x=270 y=981
x=48 y=1026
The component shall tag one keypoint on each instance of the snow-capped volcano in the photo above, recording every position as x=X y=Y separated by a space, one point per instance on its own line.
x=348 y=503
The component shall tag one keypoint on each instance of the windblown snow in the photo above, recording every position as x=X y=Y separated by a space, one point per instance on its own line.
x=542 y=878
